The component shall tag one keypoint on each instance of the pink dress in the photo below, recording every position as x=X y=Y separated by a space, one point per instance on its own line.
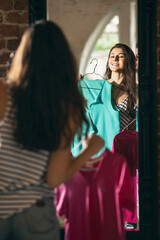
x=92 y=200
x=126 y=143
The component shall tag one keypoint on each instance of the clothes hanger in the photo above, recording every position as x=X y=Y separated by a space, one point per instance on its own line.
x=87 y=169
x=94 y=72
x=90 y=163
x=93 y=160
x=94 y=69
x=130 y=123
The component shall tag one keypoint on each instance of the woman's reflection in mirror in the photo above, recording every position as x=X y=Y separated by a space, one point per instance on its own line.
x=120 y=72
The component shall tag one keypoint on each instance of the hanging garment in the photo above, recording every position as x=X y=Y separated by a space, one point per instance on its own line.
x=126 y=143
x=101 y=112
x=92 y=200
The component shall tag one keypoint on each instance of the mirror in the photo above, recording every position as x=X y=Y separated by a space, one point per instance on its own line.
x=148 y=183
x=123 y=140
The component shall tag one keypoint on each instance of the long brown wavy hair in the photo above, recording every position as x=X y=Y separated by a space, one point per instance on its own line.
x=43 y=77
x=129 y=82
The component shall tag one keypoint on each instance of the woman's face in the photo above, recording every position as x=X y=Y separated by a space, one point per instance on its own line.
x=116 y=60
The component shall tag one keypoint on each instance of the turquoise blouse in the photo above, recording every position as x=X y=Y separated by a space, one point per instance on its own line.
x=102 y=113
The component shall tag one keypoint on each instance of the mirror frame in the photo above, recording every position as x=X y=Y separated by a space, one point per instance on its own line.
x=148 y=147
x=36 y=10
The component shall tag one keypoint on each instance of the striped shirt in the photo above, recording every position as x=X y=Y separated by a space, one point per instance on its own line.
x=124 y=114
x=22 y=172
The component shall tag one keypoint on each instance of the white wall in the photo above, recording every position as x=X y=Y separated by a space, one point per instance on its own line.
x=79 y=18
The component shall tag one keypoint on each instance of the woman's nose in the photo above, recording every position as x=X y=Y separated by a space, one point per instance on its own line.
x=116 y=58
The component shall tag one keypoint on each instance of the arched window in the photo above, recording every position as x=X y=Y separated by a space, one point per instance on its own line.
x=107 y=39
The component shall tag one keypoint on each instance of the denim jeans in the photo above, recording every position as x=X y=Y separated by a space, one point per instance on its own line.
x=39 y=222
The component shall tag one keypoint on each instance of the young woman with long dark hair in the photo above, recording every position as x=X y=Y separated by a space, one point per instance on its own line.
x=111 y=100
x=120 y=72
x=40 y=111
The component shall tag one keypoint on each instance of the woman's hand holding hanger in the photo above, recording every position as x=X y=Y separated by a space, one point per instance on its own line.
x=62 y=167
x=93 y=143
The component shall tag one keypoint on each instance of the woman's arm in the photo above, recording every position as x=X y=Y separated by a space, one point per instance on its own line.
x=61 y=165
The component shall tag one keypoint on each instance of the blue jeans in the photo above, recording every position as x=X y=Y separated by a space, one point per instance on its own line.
x=38 y=222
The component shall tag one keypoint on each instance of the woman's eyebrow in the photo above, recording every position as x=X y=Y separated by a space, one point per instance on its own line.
x=117 y=54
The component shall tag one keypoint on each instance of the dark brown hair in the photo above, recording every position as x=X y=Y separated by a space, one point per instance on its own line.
x=44 y=79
